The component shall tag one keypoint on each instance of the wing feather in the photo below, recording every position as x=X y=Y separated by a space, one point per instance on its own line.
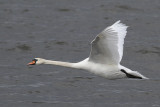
x=107 y=47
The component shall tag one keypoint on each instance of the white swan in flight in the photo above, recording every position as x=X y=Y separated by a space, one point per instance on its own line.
x=105 y=56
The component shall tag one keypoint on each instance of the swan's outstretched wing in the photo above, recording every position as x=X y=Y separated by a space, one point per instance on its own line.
x=107 y=47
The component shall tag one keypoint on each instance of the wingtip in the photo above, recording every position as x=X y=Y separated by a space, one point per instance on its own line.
x=117 y=22
x=120 y=23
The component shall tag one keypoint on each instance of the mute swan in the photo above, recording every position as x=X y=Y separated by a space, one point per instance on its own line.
x=105 y=56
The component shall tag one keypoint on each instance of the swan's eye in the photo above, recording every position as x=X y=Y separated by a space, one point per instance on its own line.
x=35 y=60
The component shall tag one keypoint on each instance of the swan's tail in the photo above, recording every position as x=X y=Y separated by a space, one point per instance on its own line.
x=140 y=75
x=133 y=74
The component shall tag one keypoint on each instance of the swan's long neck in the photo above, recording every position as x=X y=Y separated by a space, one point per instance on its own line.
x=60 y=63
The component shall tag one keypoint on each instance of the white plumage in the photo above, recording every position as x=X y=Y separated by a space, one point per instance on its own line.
x=105 y=56
x=107 y=47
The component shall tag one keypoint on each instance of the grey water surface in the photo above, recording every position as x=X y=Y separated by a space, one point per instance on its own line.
x=62 y=30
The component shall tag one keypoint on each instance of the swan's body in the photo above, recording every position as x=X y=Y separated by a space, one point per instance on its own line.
x=106 y=54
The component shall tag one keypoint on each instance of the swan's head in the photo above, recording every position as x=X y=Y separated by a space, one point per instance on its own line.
x=37 y=61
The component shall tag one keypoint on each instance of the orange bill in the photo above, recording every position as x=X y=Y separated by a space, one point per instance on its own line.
x=32 y=63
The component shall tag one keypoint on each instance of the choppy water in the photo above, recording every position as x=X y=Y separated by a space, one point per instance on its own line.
x=62 y=30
